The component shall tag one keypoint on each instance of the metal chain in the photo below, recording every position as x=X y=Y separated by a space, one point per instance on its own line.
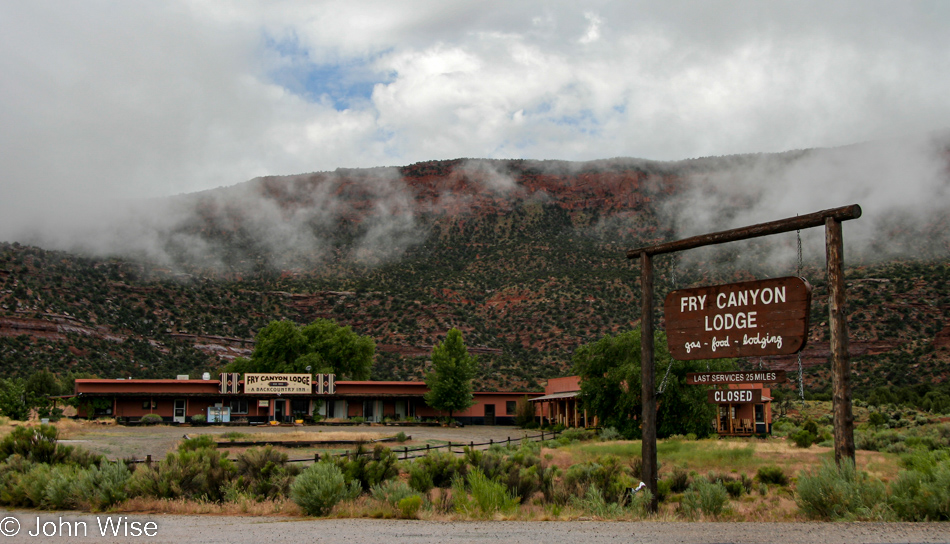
x=669 y=366
x=801 y=374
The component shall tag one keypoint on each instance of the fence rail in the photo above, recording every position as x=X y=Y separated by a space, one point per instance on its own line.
x=404 y=453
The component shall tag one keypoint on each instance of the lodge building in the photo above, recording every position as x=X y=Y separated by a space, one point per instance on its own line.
x=743 y=410
x=261 y=398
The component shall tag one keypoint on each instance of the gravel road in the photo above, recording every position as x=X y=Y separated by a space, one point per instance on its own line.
x=274 y=530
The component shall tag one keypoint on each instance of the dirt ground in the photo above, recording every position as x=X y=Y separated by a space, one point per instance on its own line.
x=118 y=442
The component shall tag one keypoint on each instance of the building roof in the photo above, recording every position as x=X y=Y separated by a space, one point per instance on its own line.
x=556 y=396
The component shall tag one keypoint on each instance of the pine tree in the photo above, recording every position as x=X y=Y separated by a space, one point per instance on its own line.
x=450 y=382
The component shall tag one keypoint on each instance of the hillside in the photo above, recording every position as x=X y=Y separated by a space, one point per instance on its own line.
x=525 y=257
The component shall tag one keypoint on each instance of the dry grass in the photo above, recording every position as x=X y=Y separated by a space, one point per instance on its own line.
x=145 y=505
x=66 y=428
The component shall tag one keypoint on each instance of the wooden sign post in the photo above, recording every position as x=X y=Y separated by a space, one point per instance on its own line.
x=840 y=359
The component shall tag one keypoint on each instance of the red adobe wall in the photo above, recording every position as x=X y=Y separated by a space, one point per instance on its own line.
x=380 y=388
x=563 y=385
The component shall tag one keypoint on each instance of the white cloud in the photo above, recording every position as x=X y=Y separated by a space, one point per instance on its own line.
x=126 y=100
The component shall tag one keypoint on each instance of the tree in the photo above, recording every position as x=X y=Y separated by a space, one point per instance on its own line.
x=13 y=399
x=40 y=386
x=611 y=387
x=323 y=345
x=450 y=381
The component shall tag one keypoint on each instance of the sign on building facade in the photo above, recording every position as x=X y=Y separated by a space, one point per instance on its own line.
x=283 y=384
x=754 y=318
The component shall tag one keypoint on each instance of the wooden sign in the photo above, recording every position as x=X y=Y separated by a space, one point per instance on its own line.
x=753 y=318
x=719 y=378
x=735 y=396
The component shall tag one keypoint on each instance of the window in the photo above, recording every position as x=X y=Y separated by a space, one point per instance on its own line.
x=149 y=405
x=511 y=407
x=238 y=406
x=298 y=406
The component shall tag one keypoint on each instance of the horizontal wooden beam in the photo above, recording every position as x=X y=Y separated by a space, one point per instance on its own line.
x=808 y=221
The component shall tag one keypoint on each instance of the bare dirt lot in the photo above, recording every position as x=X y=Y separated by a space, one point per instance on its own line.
x=118 y=442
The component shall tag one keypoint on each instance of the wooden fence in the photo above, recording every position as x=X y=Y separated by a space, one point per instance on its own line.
x=421 y=451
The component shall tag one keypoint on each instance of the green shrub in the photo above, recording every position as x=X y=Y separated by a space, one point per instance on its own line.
x=833 y=492
x=772 y=474
x=192 y=474
x=520 y=470
x=689 y=504
x=197 y=442
x=569 y=436
x=435 y=470
x=641 y=502
x=391 y=492
x=711 y=498
x=876 y=419
x=32 y=486
x=594 y=503
x=679 y=480
x=734 y=488
x=488 y=495
x=368 y=469
x=199 y=419
x=610 y=476
x=151 y=419
x=321 y=487
x=63 y=487
x=525 y=413
x=264 y=473
x=609 y=433
x=105 y=485
x=401 y=437
x=663 y=490
x=922 y=492
x=803 y=438
x=36 y=444
x=11 y=475
x=408 y=507
x=77 y=456
x=783 y=427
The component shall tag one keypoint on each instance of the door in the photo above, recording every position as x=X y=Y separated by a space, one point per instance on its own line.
x=372 y=411
x=279 y=410
x=489 y=414
x=401 y=412
x=179 y=416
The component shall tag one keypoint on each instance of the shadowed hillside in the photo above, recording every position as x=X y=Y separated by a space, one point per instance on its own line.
x=525 y=257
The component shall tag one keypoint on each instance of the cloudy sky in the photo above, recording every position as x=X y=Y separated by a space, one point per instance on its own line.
x=142 y=99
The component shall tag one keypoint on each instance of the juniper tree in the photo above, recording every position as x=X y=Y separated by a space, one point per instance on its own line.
x=450 y=381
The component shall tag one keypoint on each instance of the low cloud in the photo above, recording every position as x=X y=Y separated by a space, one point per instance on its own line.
x=902 y=186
